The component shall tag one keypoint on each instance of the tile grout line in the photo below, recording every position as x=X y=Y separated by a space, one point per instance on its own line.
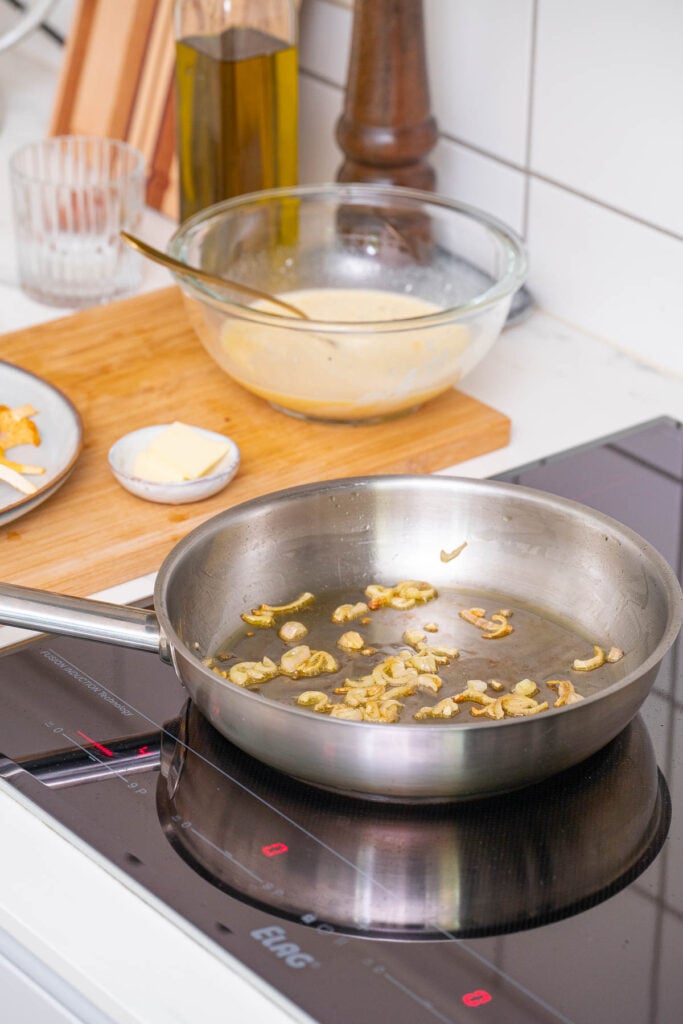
x=530 y=117
x=610 y=207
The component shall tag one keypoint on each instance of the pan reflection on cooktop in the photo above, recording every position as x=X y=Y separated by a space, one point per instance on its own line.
x=439 y=871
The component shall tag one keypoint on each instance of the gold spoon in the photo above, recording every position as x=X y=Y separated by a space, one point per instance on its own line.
x=203 y=275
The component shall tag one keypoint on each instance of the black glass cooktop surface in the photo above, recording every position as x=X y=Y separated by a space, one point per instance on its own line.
x=559 y=903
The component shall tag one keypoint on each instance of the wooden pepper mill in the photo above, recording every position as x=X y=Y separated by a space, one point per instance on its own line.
x=386 y=129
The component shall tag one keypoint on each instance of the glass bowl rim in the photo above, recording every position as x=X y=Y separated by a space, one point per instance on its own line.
x=512 y=278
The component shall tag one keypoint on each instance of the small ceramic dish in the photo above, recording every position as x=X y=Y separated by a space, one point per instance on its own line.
x=123 y=453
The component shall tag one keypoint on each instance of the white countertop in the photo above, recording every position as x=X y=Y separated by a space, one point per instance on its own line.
x=129 y=956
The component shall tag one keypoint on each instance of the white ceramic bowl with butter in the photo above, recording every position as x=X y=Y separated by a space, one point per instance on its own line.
x=123 y=455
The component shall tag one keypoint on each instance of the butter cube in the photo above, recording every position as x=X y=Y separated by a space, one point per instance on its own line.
x=179 y=453
x=149 y=466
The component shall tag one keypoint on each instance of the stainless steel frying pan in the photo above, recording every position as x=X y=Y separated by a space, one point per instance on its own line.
x=535 y=549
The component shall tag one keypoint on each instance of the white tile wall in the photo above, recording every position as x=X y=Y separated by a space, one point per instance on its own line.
x=478 y=55
x=320 y=106
x=472 y=177
x=324 y=47
x=566 y=120
x=616 y=277
x=324 y=40
x=608 y=103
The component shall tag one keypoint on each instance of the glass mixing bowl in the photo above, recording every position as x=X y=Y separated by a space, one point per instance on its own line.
x=404 y=291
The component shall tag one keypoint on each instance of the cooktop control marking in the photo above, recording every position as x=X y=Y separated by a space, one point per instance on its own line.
x=225 y=853
x=379 y=968
x=94 y=743
x=275 y=849
x=477 y=998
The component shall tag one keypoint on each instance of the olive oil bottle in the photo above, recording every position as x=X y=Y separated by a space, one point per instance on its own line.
x=236 y=98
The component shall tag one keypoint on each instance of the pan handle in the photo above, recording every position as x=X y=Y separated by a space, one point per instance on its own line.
x=48 y=612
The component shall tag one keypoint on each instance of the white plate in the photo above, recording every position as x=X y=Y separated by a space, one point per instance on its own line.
x=61 y=438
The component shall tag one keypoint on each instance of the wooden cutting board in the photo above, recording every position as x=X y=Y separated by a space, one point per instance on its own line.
x=138 y=362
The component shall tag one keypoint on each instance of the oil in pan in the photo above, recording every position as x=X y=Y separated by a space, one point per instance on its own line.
x=501 y=645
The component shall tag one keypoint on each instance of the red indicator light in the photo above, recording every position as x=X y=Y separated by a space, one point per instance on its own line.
x=94 y=743
x=274 y=849
x=477 y=998
x=143 y=750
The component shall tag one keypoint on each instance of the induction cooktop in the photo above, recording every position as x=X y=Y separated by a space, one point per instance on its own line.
x=562 y=902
